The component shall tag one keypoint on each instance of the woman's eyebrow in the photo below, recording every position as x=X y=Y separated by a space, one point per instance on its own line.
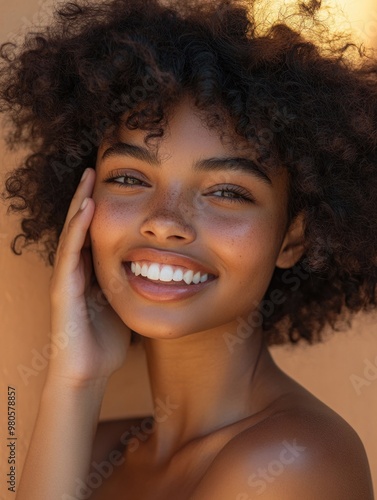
x=242 y=164
x=245 y=165
x=138 y=152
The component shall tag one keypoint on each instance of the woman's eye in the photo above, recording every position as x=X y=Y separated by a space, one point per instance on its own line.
x=123 y=180
x=233 y=194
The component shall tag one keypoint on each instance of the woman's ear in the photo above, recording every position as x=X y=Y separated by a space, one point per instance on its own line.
x=293 y=245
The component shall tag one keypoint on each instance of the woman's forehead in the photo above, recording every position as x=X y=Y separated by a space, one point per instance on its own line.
x=186 y=128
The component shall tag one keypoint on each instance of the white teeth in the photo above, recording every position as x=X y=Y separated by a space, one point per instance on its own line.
x=187 y=277
x=167 y=273
x=137 y=269
x=153 y=272
x=196 y=278
x=178 y=275
x=144 y=270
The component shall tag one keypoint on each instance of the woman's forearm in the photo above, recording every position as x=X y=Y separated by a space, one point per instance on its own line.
x=60 y=451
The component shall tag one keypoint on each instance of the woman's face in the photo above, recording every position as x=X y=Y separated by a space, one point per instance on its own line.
x=188 y=205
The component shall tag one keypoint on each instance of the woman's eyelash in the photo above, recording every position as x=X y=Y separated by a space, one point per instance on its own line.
x=242 y=195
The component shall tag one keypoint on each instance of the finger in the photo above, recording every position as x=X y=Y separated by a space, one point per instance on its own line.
x=73 y=239
x=83 y=190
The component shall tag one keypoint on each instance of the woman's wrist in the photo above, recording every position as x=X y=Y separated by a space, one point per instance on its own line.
x=58 y=383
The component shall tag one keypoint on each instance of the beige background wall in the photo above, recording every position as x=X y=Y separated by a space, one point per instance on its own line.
x=342 y=372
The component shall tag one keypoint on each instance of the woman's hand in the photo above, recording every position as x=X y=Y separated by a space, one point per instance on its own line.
x=94 y=341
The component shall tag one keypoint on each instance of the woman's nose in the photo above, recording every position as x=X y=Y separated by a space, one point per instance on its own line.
x=170 y=222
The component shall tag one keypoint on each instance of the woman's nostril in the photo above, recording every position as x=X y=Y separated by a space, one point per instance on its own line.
x=161 y=228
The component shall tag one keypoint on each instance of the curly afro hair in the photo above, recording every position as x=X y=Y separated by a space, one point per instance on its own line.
x=303 y=105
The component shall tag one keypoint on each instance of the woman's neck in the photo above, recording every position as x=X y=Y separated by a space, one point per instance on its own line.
x=202 y=384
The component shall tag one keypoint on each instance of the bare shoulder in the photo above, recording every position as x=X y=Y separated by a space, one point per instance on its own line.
x=300 y=452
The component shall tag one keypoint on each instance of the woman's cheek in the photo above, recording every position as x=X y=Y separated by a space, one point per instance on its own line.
x=108 y=231
x=249 y=233
x=112 y=219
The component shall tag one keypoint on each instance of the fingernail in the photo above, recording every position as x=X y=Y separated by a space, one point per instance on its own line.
x=84 y=204
x=85 y=174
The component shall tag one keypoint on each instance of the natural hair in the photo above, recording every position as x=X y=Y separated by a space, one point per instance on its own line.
x=301 y=104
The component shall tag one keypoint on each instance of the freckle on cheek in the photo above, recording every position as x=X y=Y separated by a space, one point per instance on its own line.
x=105 y=217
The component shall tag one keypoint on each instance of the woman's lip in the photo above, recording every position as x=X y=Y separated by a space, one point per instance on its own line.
x=170 y=258
x=158 y=291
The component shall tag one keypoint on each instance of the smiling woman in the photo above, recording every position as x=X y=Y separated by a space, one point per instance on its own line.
x=208 y=165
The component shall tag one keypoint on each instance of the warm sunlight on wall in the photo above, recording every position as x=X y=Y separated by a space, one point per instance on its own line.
x=358 y=15
x=363 y=15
